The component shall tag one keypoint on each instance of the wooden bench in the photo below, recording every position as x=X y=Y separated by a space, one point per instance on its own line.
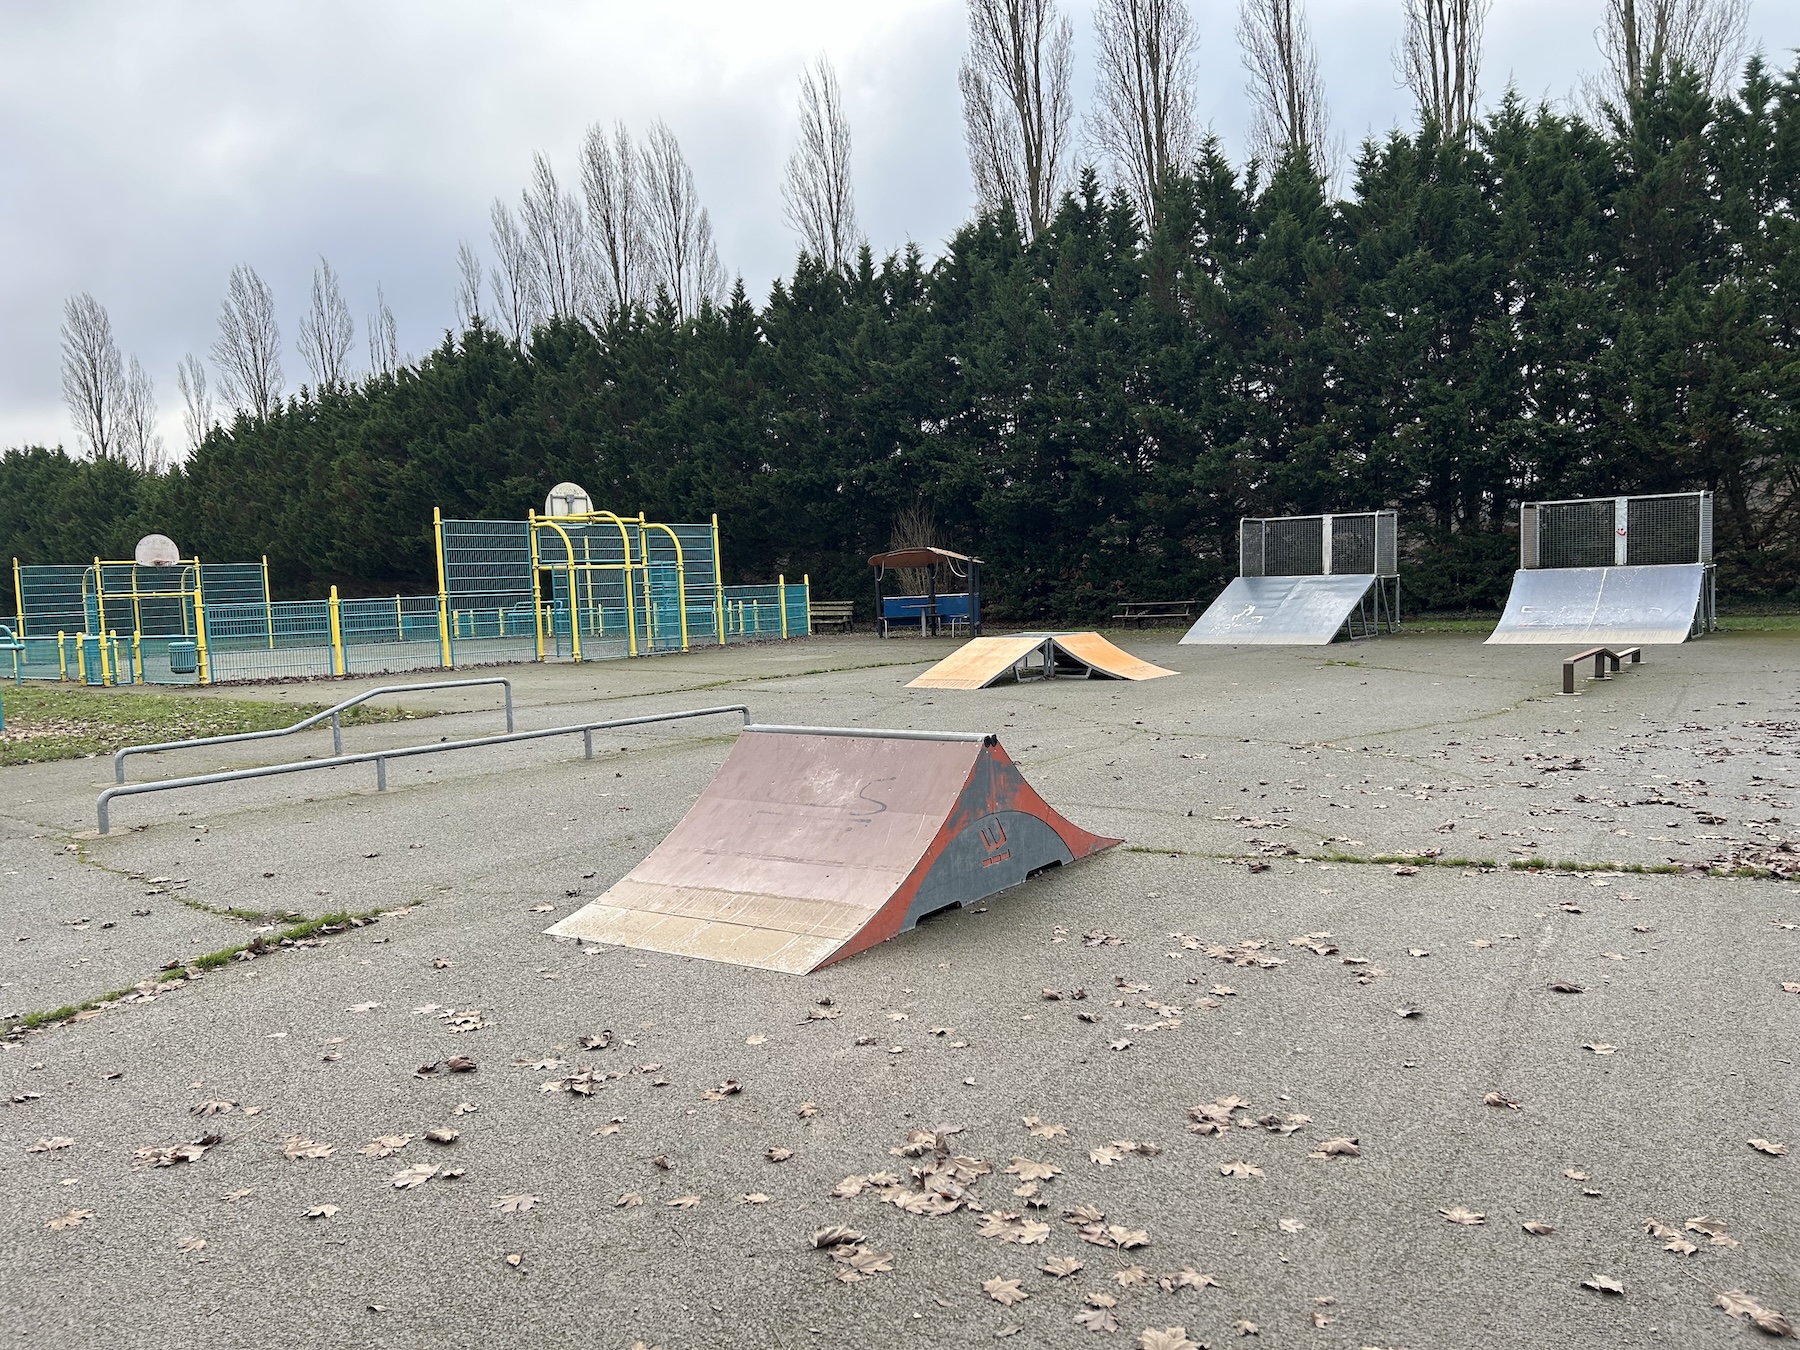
x=832 y=614
x=1142 y=612
x=1604 y=659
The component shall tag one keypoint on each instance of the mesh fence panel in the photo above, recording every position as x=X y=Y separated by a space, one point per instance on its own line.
x=1353 y=545
x=1387 y=544
x=1294 y=546
x=1664 y=530
x=1250 y=548
x=52 y=597
x=1576 y=534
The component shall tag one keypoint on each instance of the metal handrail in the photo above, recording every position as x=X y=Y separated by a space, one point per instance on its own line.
x=337 y=730
x=380 y=757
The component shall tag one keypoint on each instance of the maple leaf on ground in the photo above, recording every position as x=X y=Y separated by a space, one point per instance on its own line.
x=1566 y=987
x=1604 y=1284
x=629 y=1200
x=1105 y=1155
x=1041 y=1130
x=1736 y=1303
x=1237 y=1167
x=1245 y=1327
x=834 y=1236
x=50 y=1145
x=1084 y=1214
x=1187 y=1278
x=1344 y=1147
x=514 y=1204
x=416 y=1175
x=321 y=1212
x=1132 y=1277
x=384 y=1145
x=191 y=1245
x=1600 y=1047
x=1097 y=1319
x=1500 y=1099
x=729 y=1088
x=1537 y=1228
x=73 y=1219
x=1769 y=1146
x=682 y=1202
x=1169 y=1338
x=1463 y=1215
x=238 y=1194
x=1062 y=1266
x=212 y=1108
x=1004 y=1292
x=1027 y=1170
x=443 y=1135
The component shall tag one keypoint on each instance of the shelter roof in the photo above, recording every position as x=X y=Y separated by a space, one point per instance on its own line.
x=919 y=557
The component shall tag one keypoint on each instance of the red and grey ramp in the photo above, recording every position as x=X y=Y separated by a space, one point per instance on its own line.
x=816 y=843
x=1624 y=606
x=1285 y=611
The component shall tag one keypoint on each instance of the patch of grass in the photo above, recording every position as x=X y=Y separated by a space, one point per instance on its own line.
x=1640 y=869
x=45 y=723
x=1759 y=623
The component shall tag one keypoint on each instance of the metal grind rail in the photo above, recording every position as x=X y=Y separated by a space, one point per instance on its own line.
x=380 y=758
x=333 y=712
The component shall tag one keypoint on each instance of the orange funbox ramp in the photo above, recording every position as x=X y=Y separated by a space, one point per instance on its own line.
x=816 y=843
x=983 y=661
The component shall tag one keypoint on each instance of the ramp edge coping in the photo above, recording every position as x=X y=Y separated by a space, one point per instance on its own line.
x=879 y=733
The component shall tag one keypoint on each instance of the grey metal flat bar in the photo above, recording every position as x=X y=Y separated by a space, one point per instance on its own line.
x=874 y=733
x=337 y=735
x=379 y=758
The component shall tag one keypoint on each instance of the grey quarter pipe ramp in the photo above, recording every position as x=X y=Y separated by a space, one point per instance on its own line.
x=1613 y=605
x=1291 y=611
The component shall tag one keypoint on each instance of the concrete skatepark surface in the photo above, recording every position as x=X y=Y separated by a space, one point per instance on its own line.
x=1351 y=752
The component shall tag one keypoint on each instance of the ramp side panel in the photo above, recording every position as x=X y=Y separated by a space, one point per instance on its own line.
x=978 y=662
x=1287 y=611
x=999 y=832
x=1628 y=606
x=1107 y=658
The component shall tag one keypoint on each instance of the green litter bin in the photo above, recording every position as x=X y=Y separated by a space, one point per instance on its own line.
x=184 y=658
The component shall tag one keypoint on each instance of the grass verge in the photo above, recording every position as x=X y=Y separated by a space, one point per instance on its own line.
x=55 y=722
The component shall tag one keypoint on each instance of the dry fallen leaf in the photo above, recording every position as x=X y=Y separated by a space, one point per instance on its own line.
x=238 y=1194
x=384 y=1145
x=191 y=1245
x=1769 y=1146
x=1187 y=1278
x=1538 y=1228
x=1500 y=1099
x=1245 y=1327
x=1041 y=1130
x=73 y=1219
x=442 y=1135
x=514 y=1204
x=1736 y=1303
x=629 y=1200
x=1291 y=1226
x=1105 y=1155
x=1566 y=987
x=1132 y=1277
x=682 y=1202
x=1463 y=1215
x=1604 y=1284
x=416 y=1175
x=321 y=1211
x=807 y=1110
x=1097 y=1319
x=1062 y=1266
x=1027 y=1170
x=1237 y=1167
x=834 y=1236
x=212 y=1108
x=1004 y=1292
x=753 y=1198
x=50 y=1145
x=1600 y=1047
x=1339 y=1148
x=1169 y=1338
x=1573 y=1175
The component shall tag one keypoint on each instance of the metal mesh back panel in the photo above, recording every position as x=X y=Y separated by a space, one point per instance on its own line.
x=1664 y=530
x=1353 y=545
x=1576 y=534
x=52 y=597
x=487 y=564
x=1250 y=548
x=1387 y=544
x=1294 y=546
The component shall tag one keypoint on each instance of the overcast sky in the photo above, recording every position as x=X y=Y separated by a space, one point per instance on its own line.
x=147 y=147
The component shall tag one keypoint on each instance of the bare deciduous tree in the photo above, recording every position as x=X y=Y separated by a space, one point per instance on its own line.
x=554 y=230
x=197 y=406
x=514 y=280
x=326 y=330
x=93 y=376
x=1642 y=40
x=140 y=443
x=468 y=286
x=1440 y=59
x=247 y=351
x=685 y=262
x=1286 y=95
x=1015 y=89
x=817 y=199
x=615 y=213
x=1143 y=118
x=384 y=337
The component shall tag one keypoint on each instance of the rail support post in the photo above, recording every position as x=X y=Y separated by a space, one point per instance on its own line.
x=381 y=775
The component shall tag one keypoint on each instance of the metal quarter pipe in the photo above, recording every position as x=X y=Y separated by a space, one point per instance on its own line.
x=1286 y=610
x=1625 y=606
x=813 y=844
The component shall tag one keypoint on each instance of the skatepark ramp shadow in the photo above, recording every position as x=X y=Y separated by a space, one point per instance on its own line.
x=983 y=661
x=815 y=843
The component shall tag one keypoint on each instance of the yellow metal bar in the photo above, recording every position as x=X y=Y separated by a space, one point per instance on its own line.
x=574 y=625
x=718 y=582
x=106 y=678
x=399 y=621
x=680 y=577
x=781 y=599
x=806 y=581
x=204 y=664
x=19 y=597
x=100 y=596
x=537 y=608
x=137 y=657
x=437 y=532
x=62 y=657
x=337 y=633
x=587 y=569
x=268 y=604
x=137 y=618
